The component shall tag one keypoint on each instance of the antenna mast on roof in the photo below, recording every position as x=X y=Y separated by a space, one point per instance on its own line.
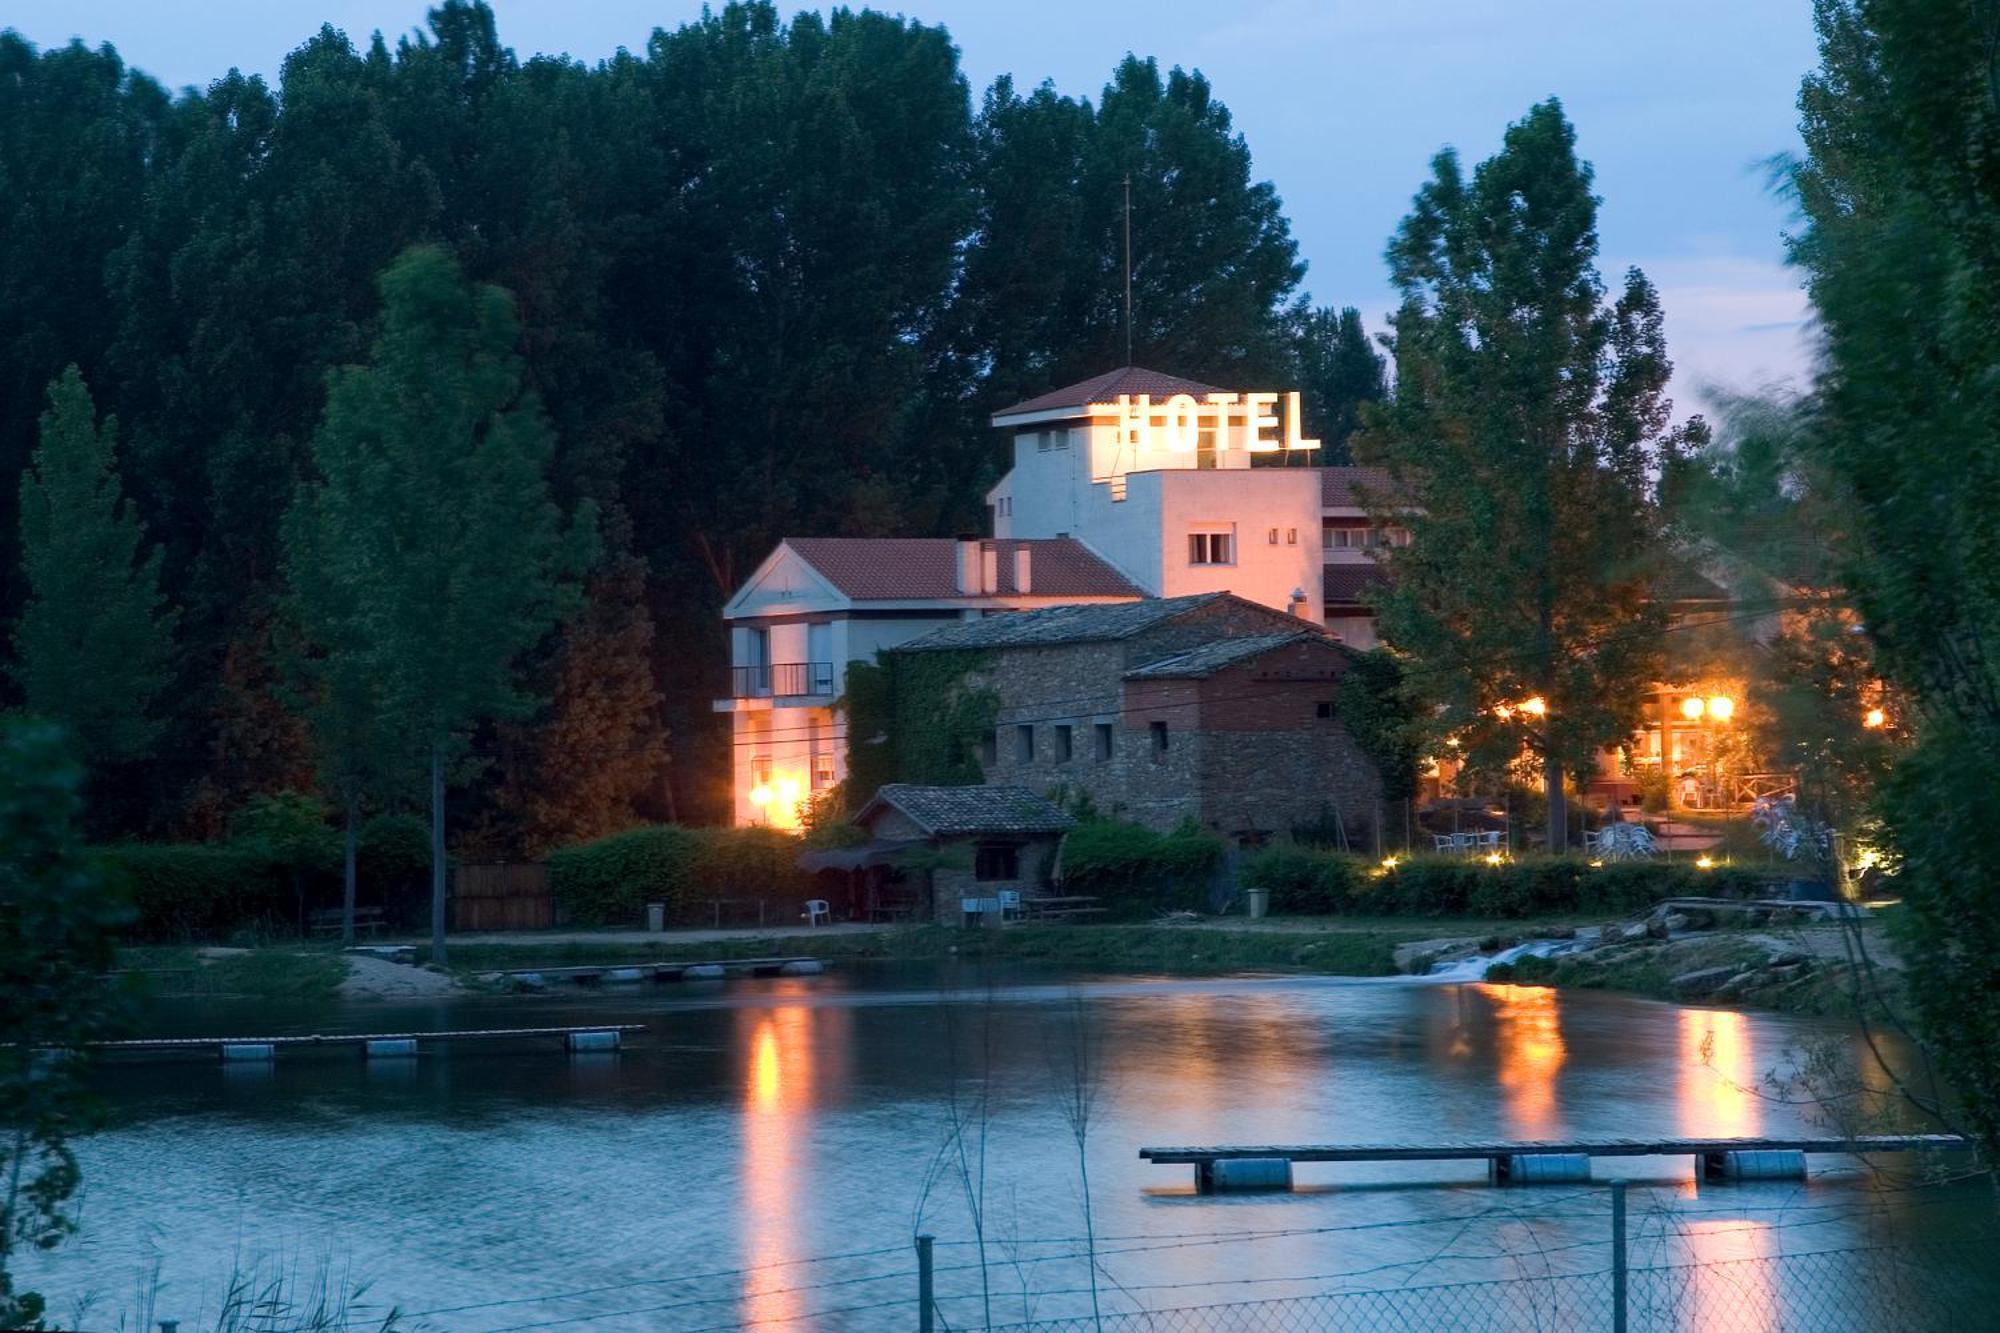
x=1128 y=268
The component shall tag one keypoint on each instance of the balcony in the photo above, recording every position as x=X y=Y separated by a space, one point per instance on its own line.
x=782 y=680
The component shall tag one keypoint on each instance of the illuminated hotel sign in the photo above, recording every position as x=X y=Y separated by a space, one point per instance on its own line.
x=1181 y=423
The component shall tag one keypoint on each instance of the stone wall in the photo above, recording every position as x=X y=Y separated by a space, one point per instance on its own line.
x=953 y=883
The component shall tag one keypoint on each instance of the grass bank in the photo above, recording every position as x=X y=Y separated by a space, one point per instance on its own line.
x=269 y=973
x=1189 y=949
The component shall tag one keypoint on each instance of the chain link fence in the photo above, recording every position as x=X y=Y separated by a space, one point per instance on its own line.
x=1880 y=1290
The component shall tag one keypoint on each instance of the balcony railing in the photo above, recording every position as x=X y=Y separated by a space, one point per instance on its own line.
x=782 y=680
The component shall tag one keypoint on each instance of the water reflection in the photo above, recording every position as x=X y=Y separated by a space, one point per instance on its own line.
x=1718 y=1074
x=1531 y=1051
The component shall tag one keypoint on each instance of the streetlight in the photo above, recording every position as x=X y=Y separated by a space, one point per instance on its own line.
x=1691 y=707
x=1721 y=707
x=1874 y=719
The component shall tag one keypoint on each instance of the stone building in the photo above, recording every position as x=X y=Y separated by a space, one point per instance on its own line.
x=1208 y=707
x=993 y=847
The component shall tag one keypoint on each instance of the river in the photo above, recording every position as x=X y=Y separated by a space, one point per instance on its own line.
x=767 y=1150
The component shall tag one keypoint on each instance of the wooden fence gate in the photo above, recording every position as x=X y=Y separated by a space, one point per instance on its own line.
x=502 y=897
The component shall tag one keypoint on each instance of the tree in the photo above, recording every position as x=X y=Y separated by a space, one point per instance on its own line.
x=593 y=765
x=1901 y=123
x=93 y=645
x=288 y=830
x=57 y=918
x=1528 y=425
x=1338 y=371
x=432 y=516
x=1375 y=708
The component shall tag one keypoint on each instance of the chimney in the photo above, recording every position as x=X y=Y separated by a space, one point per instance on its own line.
x=1023 y=576
x=968 y=566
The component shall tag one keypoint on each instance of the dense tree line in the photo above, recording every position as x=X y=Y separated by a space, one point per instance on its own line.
x=766 y=277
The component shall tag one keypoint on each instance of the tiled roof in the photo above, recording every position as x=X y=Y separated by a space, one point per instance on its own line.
x=941 y=811
x=1212 y=657
x=1345 y=585
x=1338 y=485
x=1053 y=625
x=1105 y=388
x=894 y=568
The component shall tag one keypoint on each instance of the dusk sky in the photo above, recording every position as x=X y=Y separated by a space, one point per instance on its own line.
x=1679 y=106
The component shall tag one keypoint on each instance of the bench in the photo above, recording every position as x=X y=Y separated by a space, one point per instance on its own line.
x=367 y=920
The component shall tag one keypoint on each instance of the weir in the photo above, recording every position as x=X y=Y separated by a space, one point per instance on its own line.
x=1269 y=1166
x=613 y=974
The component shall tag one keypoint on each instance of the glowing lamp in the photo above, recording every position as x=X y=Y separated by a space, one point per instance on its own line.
x=1874 y=718
x=1494 y=858
x=1722 y=708
x=1597 y=865
x=1503 y=711
x=1389 y=862
x=760 y=795
x=1535 y=707
x=1691 y=707
x=788 y=790
x=1704 y=863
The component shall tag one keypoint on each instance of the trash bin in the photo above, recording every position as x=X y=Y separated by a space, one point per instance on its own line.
x=1256 y=901
x=656 y=917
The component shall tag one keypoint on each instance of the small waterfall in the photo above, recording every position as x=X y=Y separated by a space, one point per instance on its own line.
x=1473 y=966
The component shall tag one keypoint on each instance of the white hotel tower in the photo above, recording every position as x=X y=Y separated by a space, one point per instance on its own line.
x=1131 y=484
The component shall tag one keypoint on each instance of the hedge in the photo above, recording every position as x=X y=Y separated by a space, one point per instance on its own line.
x=1309 y=882
x=1137 y=872
x=610 y=881
x=187 y=891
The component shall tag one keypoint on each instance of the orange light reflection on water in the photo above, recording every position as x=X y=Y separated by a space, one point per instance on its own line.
x=1717 y=1090
x=777 y=1103
x=1531 y=1052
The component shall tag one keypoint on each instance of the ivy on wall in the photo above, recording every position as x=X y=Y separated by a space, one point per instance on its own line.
x=915 y=717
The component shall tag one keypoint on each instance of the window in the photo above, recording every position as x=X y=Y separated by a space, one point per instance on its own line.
x=1209 y=548
x=989 y=749
x=760 y=769
x=996 y=861
x=1041 y=440
x=1397 y=536
x=1274 y=536
x=1338 y=535
x=1059 y=439
x=823 y=770
x=1065 y=742
x=1103 y=730
x=1159 y=730
x=1291 y=536
x=1323 y=710
x=1024 y=743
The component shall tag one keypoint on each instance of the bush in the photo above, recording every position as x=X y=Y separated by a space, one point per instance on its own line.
x=610 y=881
x=1303 y=880
x=1137 y=872
x=192 y=891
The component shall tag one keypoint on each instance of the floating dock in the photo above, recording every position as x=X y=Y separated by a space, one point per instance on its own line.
x=1269 y=1166
x=613 y=974
x=371 y=1045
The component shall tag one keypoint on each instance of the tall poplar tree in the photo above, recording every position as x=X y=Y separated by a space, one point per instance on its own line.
x=1338 y=371
x=92 y=647
x=1902 y=254
x=1528 y=427
x=432 y=517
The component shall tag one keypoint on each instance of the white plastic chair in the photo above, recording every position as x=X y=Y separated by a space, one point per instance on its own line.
x=1010 y=905
x=817 y=912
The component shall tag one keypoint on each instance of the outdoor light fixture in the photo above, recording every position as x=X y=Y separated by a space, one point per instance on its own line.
x=1535 y=707
x=1874 y=719
x=1691 y=707
x=1494 y=858
x=760 y=794
x=1389 y=862
x=1721 y=707
x=1704 y=863
x=1597 y=865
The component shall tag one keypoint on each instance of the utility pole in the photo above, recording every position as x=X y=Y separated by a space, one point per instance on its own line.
x=1128 y=268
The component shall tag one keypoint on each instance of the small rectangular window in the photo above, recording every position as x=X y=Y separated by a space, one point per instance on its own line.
x=989 y=749
x=1024 y=743
x=1103 y=730
x=1323 y=709
x=1208 y=548
x=1059 y=439
x=1274 y=536
x=996 y=861
x=1159 y=730
x=760 y=769
x=823 y=770
x=1065 y=741
x=1291 y=536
